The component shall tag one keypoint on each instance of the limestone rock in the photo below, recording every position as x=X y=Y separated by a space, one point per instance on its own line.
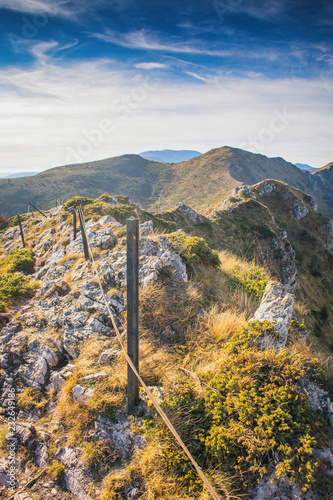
x=319 y=400
x=93 y=377
x=244 y=189
x=41 y=455
x=299 y=210
x=107 y=357
x=37 y=362
x=120 y=435
x=76 y=476
x=184 y=214
x=272 y=488
x=266 y=187
x=22 y=496
x=107 y=219
x=103 y=238
x=314 y=204
x=327 y=231
x=276 y=306
x=82 y=395
x=58 y=379
x=146 y=228
x=154 y=255
x=9 y=330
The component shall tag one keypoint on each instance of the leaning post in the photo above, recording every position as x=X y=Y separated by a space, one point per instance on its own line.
x=132 y=312
x=21 y=230
x=83 y=232
x=74 y=223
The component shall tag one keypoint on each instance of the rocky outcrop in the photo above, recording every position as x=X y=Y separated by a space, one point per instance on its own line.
x=76 y=475
x=284 y=259
x=265 y=187
x=155 y=255
x=273 y=488
x=277 y=306
x=184 y=214
x=327 y=232
x=244 y=190
x=299 y=210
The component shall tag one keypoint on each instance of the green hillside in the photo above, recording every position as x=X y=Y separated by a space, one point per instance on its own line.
x=200 y=182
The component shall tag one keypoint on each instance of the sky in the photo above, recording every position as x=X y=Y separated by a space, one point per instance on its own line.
x=83 y=80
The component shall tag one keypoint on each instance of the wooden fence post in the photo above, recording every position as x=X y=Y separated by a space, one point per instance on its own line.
x=74 y=223
x=83 y=232
x=21 y=230
x=132 y=312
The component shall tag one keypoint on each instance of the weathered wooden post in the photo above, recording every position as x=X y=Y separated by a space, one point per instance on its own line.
x=83 y=232
x=74 y=223
x=21 y=230
x=132 y=312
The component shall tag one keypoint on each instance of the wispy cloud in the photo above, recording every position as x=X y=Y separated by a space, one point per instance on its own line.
x=53 y=107
x=51 y=7
x=198 y=77
x=150 y=65
x=151 y=41
x=142 y=39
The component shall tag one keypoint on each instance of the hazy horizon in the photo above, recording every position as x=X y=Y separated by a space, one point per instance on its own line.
x=81 y=82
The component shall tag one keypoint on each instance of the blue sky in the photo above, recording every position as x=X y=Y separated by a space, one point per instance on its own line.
x=82 y=80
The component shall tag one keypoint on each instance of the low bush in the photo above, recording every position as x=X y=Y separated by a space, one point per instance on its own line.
x=13 y=286
x=253 y=281
x=20 y=260
x=193 y=249
x=249 y=417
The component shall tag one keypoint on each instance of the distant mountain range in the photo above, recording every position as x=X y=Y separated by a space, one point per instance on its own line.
x=201 y=181
x=304 y=166
x=170 y=155
x=19 y=174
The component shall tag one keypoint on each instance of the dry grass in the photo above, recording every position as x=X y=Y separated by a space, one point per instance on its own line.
x=217 y=290
x=149 y=470
x=70 y=256
x=221 y=325
x=229 y=261
x=177 y=307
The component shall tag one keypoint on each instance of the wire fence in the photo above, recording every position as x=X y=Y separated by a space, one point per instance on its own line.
x=90 y=256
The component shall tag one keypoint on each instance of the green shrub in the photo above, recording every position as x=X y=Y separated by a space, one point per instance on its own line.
x=13 y=221
x=193 y=249
x=250 y=416
x=76 y=199
x=13 y=286
x=20 y=260
x=253 y=281
x=264 y=231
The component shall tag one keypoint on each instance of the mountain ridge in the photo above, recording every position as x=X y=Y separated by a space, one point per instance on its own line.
x=201 y=181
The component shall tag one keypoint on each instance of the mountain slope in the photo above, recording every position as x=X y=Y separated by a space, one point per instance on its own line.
x=209 y=178
x=324 y=184
x=250 y=399
x=200 y=182
x=140 y=178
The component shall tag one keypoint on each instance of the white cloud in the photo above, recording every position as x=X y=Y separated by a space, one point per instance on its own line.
x=198 y=77
x=141 y=39
x=55 y=114
x=150 y=65
x=51 y=7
